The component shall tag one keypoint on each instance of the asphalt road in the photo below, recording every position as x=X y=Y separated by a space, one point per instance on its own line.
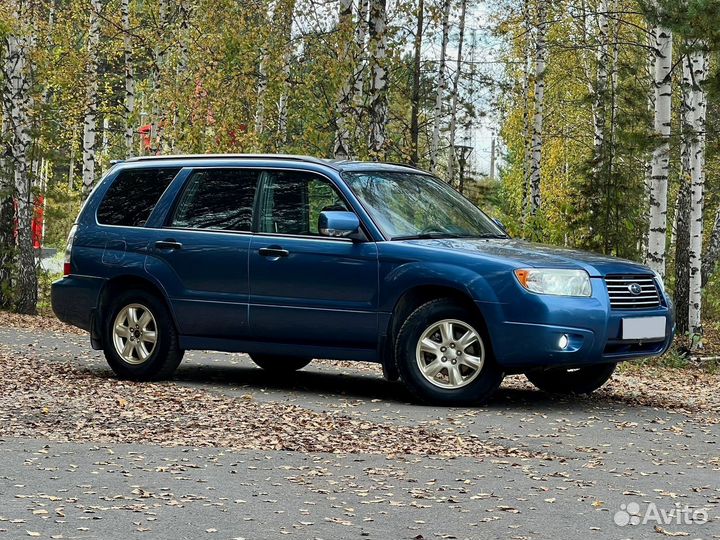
x=605 y=454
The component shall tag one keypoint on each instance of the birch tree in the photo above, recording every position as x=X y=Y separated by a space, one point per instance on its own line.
x=539 y=109
x=361 y=30
x=17 y=102
x=378 y=107
x=284 y=20
x=526 y=148
x=343 y=107
x=415 y=100
x=682 y=207
x=91 y=98
x=455 y=94
x=129 y=101
x=699 y=73
x=441 y=86
x=662 y=88
x=600 y=89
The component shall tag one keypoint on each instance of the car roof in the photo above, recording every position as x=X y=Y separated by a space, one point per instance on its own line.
x=338 y=165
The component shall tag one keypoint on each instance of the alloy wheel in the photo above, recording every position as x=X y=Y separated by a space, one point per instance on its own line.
x=450 y=354
x=135 y=334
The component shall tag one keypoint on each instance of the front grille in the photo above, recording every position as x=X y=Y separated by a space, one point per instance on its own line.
x=622 y=298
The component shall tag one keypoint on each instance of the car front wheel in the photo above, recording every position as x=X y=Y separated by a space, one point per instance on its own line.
x=444 y=356
x=582 y=380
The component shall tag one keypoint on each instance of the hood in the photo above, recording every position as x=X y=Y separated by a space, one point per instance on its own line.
x=537 y=255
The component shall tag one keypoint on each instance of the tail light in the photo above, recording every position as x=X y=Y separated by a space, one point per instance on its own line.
x=67 y=266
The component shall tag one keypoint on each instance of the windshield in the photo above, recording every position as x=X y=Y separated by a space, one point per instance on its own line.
x=411 y=205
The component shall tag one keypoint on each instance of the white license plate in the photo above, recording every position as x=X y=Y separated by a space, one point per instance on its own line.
x=643 y=328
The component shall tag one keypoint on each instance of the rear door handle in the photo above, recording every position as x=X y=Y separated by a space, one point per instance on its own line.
x=168 y=244
x=273 y=252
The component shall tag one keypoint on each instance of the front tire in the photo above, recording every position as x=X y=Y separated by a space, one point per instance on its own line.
x=582 y=380
x=279 y=364
x=140 y=341
x=444 y=355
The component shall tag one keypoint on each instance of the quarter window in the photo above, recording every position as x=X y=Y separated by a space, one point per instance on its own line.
x=292 y=201
x=218 y=199
x=133 y=195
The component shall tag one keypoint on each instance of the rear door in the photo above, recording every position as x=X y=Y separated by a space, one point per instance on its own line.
x=306 y=288
x=201 y=252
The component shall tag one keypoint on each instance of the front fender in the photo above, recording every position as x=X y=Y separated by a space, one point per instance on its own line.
x=398 y=280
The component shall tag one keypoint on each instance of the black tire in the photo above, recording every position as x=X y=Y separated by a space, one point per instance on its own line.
x=164 y=357
x=583 y=380
x=279 y=364
x=475 y=392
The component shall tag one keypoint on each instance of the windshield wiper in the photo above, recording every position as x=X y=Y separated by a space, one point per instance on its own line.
x=427 y=236
x=440 y=235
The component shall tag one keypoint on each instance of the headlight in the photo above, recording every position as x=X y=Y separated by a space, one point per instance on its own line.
x=559 y=282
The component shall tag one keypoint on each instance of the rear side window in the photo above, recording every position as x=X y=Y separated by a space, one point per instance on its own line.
x=133 y=195
x=218 y=199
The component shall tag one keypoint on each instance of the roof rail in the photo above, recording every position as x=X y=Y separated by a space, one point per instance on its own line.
x=286 y=157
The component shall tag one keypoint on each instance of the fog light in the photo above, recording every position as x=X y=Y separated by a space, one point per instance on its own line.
x=564 y=341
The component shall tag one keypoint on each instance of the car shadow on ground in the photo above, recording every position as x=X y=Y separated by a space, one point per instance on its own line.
x=309 y=383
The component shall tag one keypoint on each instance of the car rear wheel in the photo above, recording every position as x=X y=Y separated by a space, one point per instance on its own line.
x=582 y=380
x=279 y=364
x=444 y=356
x=140 y=341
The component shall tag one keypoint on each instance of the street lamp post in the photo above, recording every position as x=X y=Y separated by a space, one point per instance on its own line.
x=462 y=153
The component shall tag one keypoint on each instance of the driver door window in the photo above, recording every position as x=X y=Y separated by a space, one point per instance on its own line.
x=291 y=203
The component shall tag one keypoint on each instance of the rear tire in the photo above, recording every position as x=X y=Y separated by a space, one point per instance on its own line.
x=139 y=337
x=583 y=380
x=444 y=355
x=279 y=364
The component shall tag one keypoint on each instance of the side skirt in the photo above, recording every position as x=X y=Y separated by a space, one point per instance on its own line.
x=288 y=349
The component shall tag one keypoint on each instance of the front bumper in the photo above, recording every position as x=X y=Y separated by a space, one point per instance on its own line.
x=75 y=298
x=527 y=334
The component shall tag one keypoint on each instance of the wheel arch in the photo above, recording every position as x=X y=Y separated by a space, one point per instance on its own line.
x=115 y=285
x=411 y=299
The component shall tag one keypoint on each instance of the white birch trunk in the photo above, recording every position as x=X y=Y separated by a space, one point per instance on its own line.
x=660 y=165
x=358 y=98
x=18 y=101
x=681 y=229
x=441 y=87
x=378 y=79
x=537 y=130
x=650 y=64
x=129 y=102
x=343 y=107
x=600 y=89
x=697 y=198
x=452 y=158
x=91 y=99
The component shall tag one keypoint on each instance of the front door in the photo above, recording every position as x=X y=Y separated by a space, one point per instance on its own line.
x=201 y=253
x=306 y=288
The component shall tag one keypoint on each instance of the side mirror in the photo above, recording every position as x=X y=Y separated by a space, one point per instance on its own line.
x=339 y=224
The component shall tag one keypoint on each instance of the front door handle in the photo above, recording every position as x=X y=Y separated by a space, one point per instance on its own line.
x=273 y=252
x=168 y=244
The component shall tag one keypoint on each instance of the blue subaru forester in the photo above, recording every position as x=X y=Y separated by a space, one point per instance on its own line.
x=291 y=258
